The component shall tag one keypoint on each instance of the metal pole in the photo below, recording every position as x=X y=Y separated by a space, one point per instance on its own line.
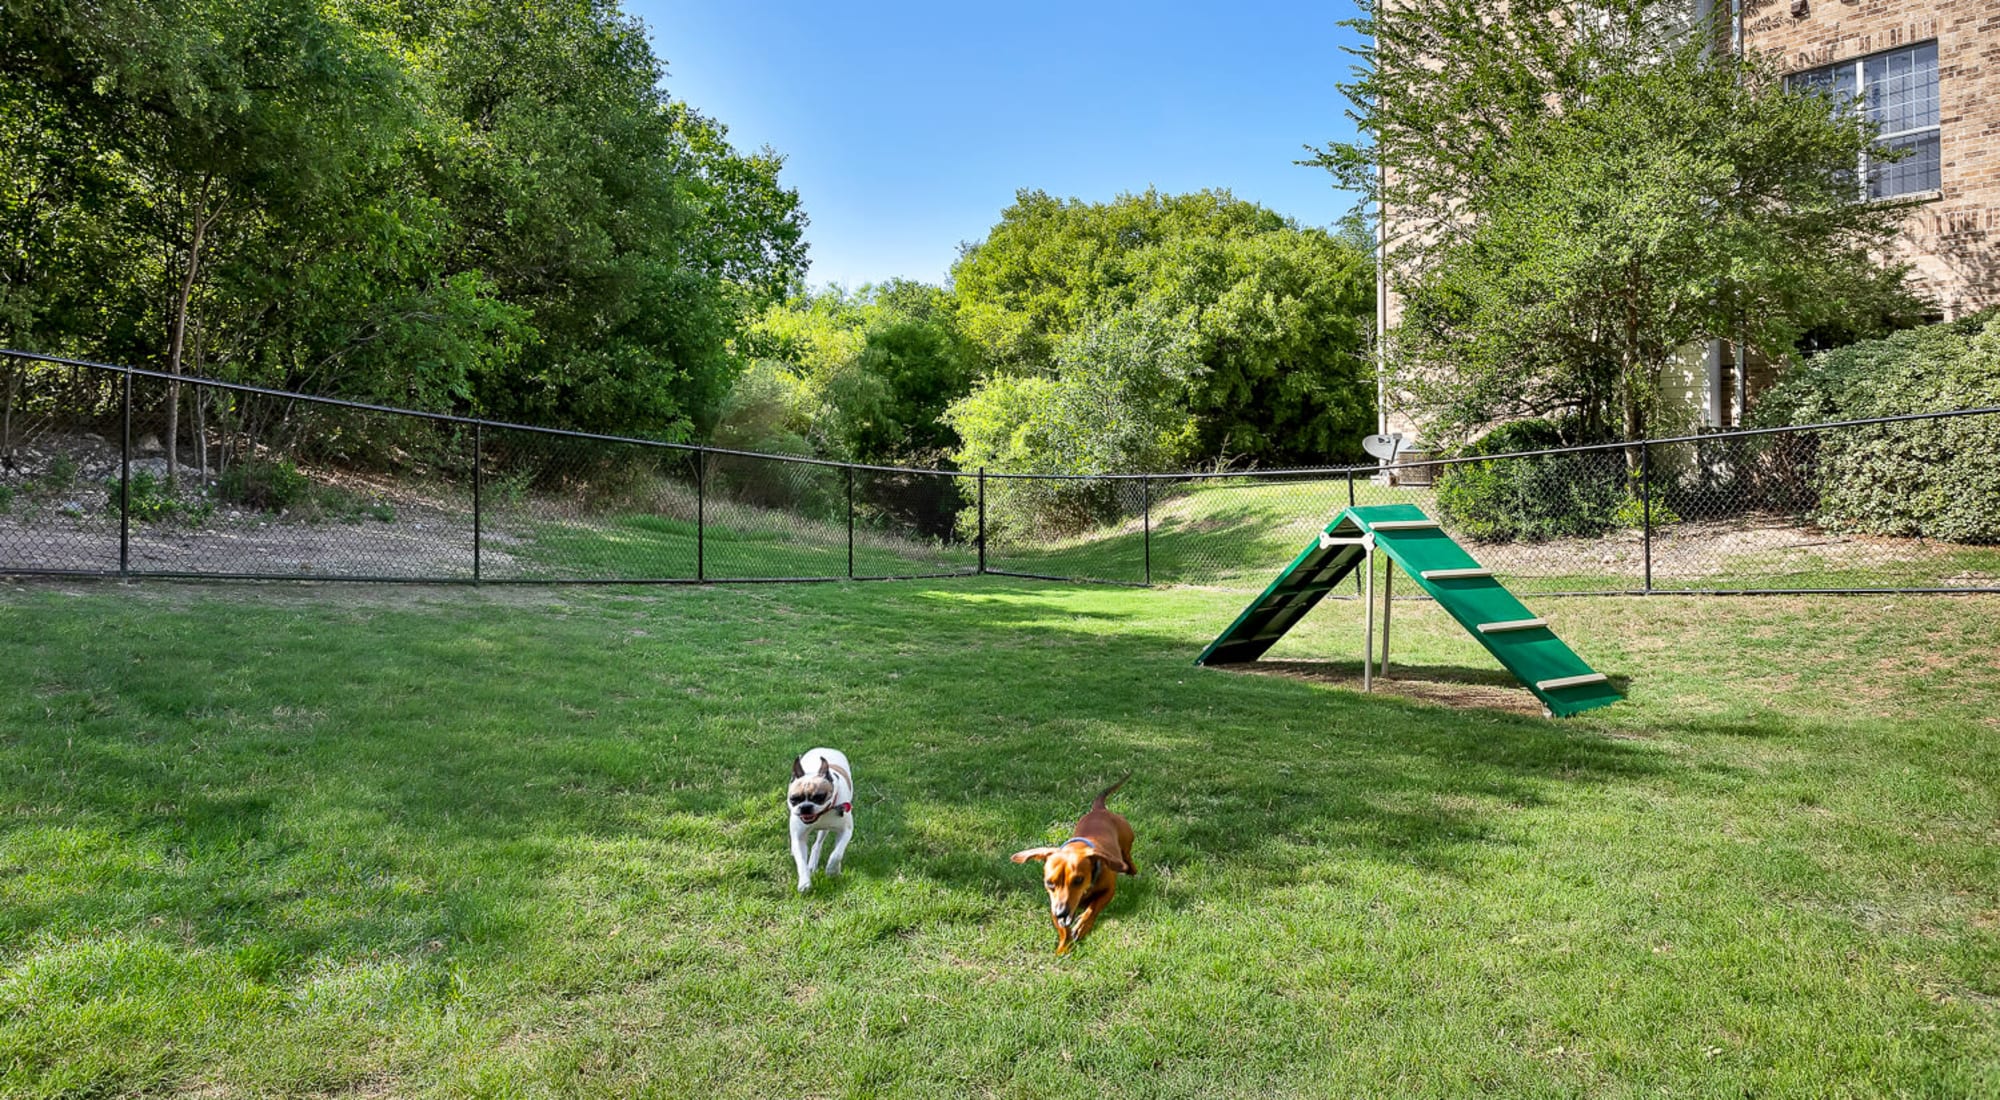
x=478 y=491
x=1388 y=595
x=1646 y=503
x=700 y=516
x=125 y=486
x=1350 y=504
x=1368 y=629
x=1146 y=489
x=982 y=519
x=850 y=523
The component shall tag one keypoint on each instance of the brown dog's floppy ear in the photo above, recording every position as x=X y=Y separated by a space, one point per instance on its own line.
x=1033 y=853
x=1117 y=864
x=798 y=767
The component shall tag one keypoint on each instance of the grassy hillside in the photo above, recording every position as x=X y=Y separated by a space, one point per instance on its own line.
x=341 y=841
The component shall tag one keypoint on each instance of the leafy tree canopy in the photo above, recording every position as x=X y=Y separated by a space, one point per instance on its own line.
x=487 y=205
x=1572 y=199
x=1276 y=317
x=863 y=376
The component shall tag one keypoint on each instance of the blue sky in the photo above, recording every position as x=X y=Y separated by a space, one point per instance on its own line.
x=907 y=127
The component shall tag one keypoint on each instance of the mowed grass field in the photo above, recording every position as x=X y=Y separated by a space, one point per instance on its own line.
x=358 y=841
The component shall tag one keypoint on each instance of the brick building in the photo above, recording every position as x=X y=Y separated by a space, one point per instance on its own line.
x=1929 y=74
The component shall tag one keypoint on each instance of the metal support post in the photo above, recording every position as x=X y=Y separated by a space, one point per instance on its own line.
x=982 y=519
x=700 y=515
x=478 y=493
x=850 y=523
x=1146 y=491
x=125 y=486
x=1646 y=502
x=1368 y=644
x=1350 y=504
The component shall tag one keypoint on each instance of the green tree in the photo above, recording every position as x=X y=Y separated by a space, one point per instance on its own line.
x=221 y=116
x=636 y=238
x=1114 y=404
x=863 y=376
x=472 y=204
x=1571 y=200
x=1110 y=407
x=1277 y=315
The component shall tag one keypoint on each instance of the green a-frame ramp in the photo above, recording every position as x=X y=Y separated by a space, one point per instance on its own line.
x=1414 y=541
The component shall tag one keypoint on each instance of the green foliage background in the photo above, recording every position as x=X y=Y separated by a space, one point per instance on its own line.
x=1572 y=196
x=1275 y=317
x=1931 y=479
x=476 y=205
x=1574 y=495
x=496 y=208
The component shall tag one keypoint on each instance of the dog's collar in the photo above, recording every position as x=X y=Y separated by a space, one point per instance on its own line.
x=1085 y=841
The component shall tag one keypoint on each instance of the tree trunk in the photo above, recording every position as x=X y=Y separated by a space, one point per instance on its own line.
x=1631 y=371
x=7 y=413
x=200 y=438
x=201 y=219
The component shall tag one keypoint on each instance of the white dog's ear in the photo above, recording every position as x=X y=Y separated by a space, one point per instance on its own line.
x=825 y=769
x=1033 y=853
x=798 y=767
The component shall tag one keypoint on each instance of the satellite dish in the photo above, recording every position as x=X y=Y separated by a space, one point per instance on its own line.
x=1384 y=447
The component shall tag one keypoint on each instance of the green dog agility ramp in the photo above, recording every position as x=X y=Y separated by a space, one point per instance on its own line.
x=1415 y=542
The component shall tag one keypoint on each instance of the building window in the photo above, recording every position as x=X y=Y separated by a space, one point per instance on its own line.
x=1898 y=90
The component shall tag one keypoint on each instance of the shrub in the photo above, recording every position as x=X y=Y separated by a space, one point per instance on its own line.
x=1533 y=499
x=1632 y=512
x=1937 y=479
x=61 y=474
x=6 y=499
x=151 y=500
x=1117 y=404
x=264 y=485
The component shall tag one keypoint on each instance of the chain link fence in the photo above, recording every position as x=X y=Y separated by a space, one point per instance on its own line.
x=108 y=471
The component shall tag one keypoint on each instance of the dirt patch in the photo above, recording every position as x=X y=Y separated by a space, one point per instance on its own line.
x=61 y=514
x=419 y=543
x=1460 y=690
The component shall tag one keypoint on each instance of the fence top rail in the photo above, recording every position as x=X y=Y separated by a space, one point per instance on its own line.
x=1179 y=475
x=1311 y=472
x=453 y=418
x=1701 y=437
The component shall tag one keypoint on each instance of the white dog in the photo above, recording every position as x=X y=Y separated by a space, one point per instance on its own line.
x=821 y=800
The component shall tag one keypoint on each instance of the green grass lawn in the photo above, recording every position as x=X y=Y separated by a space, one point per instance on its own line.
x=771 y=546
x=349 y=841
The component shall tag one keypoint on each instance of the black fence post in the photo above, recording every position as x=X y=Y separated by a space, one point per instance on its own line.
x=1646 y=508
x=125 y=485
x=1368 y=562
x=982 y=519
x=850 y=523
x=700 y=514
x=1146 y=498
x=478 y=491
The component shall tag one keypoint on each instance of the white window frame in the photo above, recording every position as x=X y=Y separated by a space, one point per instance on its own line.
x=1859 y=67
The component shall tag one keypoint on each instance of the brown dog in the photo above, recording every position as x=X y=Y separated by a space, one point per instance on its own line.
x=1081 y=873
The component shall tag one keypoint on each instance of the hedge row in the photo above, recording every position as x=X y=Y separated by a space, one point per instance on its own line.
x=1929 y=479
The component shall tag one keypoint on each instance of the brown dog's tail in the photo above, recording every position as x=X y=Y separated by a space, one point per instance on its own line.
x=1108 y=792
